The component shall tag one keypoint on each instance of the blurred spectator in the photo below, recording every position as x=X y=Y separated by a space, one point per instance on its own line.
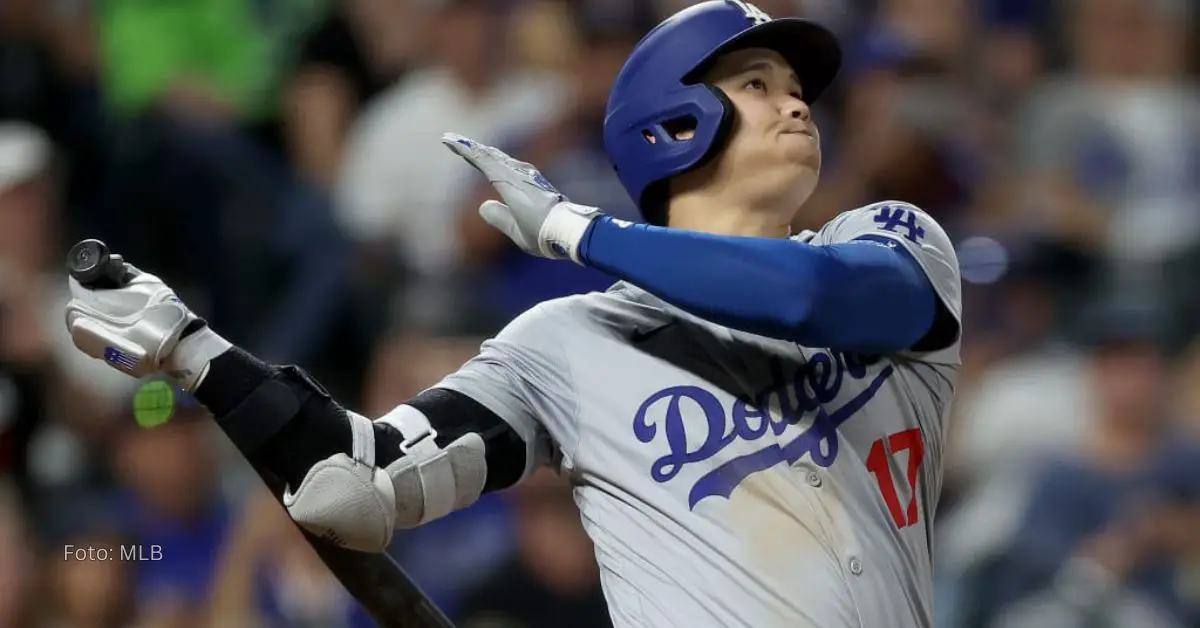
x=198 y=193
x=1092 y=589
x=553 y=579
x=1025 y=396
x=541 y=37
x=1011 y=57
x=255 y=249
x=1186 y=393
x=907 y=129
x=172 y=502
x=1111 y=149
x=34 y=87
x=1093 y=505
x=18 y=574
x=399 y=187
x=48 y=76
x=270 y=576
x=451 y=556
x=569 y=150
x=28 y=222
x=361 y=48
x=196 y=59
x=1177 y=481
x=403 y=191
x=84 y=591
x=42 y=374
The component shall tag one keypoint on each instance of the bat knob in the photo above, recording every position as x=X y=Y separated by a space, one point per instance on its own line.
x=92 y=264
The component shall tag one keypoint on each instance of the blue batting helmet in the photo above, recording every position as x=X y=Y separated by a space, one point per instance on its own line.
x=658 y=90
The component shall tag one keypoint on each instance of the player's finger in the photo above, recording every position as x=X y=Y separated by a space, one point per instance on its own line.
x=492 y=162
x=461 y=145
x=499 y=215
x=477 y=149
x=476 y=154
x=466 y=148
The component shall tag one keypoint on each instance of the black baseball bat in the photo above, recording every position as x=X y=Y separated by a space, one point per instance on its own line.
x=383 y=588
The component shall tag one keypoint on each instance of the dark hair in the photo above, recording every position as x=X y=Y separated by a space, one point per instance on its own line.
x=655 y=203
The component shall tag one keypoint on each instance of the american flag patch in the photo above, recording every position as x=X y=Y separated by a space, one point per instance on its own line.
x=118 y=358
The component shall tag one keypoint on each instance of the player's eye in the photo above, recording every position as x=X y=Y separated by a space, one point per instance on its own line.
x=756 y=84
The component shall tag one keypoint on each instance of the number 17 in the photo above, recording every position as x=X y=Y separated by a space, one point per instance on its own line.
x=878 y=463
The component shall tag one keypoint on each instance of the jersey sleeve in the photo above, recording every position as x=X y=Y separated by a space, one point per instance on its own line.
x=899 y=224
x=523 y=377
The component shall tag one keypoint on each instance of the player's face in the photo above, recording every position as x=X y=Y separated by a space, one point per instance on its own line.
x=775 y=141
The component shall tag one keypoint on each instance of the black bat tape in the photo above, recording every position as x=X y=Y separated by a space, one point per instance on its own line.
x=94 y=266
x=389 y=595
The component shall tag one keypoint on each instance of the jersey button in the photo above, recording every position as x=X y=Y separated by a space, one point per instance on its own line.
x=813 y=478
x=855 y=566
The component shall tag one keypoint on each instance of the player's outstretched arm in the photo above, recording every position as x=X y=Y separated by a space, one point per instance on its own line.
x=350 y=479
x=855 y=295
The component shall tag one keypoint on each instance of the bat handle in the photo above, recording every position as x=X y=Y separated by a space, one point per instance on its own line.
x=95 y=267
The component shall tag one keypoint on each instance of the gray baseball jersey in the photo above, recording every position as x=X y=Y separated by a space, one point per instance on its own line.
x=731 y=480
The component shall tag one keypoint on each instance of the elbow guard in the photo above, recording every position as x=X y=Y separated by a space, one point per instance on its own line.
x=346 y=498
x=452 y=450
x=419 y=462
x=431 y=481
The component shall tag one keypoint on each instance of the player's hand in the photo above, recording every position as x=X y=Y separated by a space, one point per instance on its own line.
x=534 y=215
x=133 y=327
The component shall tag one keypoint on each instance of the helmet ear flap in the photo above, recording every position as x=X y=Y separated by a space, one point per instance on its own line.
x=656 y=196
x=684 y=128
x=724 y=126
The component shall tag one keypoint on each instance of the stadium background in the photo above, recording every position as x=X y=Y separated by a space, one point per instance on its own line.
x=277 y=162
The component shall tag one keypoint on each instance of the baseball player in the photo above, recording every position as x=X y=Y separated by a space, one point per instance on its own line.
x=753 y=420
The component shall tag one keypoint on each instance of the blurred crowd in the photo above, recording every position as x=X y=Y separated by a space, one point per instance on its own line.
x=277 y=161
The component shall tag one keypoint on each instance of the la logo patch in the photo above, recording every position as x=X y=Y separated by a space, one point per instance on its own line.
x=753 y=13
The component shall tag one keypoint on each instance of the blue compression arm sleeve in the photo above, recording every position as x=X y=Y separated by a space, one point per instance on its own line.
x=852 y=296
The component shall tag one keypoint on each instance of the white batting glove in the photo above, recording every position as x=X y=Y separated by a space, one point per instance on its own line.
x=136 y=329
x=534 y=215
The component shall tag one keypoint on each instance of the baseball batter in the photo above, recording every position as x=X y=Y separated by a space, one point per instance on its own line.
x=753 y=419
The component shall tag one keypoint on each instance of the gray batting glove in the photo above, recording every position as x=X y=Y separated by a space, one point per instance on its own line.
x=534 y=215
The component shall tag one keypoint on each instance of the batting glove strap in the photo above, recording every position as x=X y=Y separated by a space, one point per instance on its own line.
x=564 y=228
x=188 y=363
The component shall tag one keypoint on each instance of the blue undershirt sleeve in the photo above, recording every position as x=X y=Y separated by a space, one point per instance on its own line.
x=861 y=295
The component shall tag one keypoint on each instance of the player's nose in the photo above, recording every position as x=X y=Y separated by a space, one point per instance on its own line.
x=796 y=109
